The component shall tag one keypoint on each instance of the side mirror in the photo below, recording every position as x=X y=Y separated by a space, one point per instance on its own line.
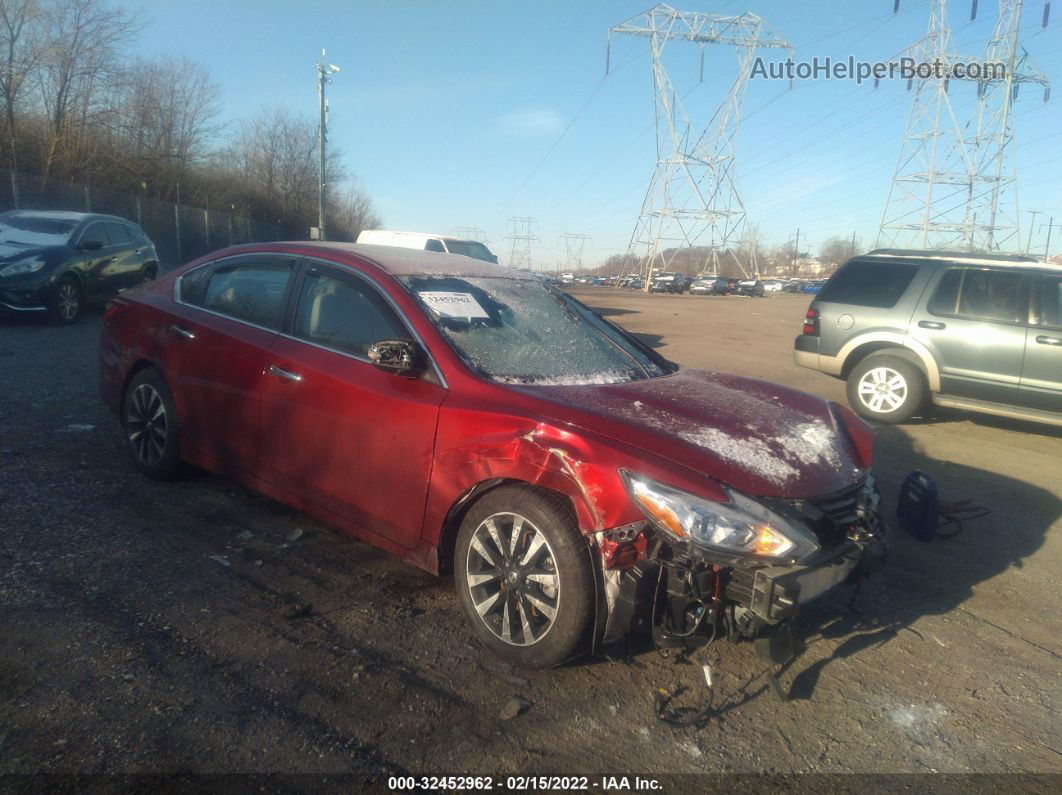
x=401 y=357
x=91 y=245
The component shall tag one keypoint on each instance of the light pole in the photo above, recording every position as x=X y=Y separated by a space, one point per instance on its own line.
x=323 y=72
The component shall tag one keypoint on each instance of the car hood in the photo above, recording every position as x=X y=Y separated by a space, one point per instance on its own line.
x=761 y=438
x=10 y=252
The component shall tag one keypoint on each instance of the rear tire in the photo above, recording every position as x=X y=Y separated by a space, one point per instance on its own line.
x=886 y=388
x=149 y=421
x=523 y=577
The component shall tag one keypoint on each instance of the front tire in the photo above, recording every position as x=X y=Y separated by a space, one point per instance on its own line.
x=886 y=388
x=149 y=421
x=523 y=577
x=67 y=301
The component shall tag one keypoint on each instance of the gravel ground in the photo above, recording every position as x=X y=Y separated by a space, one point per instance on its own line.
x=195 y=627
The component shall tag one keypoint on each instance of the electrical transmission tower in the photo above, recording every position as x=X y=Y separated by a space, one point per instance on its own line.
x=954 y=186
x=693 y=198
x=574 y=245
x=470 y=233
x=522 y=238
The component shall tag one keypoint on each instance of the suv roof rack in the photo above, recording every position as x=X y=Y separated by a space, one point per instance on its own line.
x=962 y=256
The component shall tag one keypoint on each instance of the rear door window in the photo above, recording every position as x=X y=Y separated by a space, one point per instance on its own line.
x=1048 y=301
x=250 y=291
x=434 y=245
x=865 y=283
x=981 y=294
x=119 y=234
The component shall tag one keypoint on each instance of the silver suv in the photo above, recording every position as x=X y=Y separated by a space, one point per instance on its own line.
x=971 y=331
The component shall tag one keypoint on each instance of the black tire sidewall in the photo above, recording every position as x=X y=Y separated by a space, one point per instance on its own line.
x=551 y=514
x=916 y=388
x=167 y=466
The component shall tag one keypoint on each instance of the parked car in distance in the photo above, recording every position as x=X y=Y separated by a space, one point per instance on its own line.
x=702 y=286
x=472 y=419
x=812 y=287
x=567 y=278
x=54 y=263
x=751 y=287
x=773 y=286
x=667 y=282
x=428 y=242
x=793 y=286
x=970 y=331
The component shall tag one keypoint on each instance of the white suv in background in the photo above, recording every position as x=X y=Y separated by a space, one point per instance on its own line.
x=427 y=242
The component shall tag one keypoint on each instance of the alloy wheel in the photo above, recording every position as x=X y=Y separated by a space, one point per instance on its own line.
x=69 y=300
x=512 y=578
x=147 y=425
x=882 y=389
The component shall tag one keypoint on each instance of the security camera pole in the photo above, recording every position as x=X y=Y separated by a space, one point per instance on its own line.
x=323 y=72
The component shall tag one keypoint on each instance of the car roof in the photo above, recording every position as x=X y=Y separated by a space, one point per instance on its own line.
x=404 y=261
x=67 y=215
x=962 y=257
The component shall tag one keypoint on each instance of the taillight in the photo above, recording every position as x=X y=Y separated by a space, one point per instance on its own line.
x=811 y=322
x=114 y=306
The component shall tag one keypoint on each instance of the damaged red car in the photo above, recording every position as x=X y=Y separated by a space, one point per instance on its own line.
x=476 y=420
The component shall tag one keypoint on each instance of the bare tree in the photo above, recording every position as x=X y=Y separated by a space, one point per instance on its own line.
x=835 y=250
x=20 y=49
x=79 y=60
x=353 y=212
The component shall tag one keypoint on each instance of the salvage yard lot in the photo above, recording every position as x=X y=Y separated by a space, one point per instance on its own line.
x=196 y=627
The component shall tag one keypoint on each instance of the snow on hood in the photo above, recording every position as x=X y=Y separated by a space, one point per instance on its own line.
x=764 y=439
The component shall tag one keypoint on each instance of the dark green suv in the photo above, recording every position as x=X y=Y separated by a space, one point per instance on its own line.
x=53 y=263
x=971 y=331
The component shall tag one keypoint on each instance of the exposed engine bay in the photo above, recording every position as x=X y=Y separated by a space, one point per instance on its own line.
x=684 y=595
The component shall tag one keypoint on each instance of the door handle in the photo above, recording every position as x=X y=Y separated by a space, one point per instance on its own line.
x=1049 y=340
x=287 y=375
x=183 y=333
x=931 y=324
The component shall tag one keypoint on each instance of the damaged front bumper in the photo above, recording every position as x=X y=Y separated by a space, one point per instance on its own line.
x=685 y=598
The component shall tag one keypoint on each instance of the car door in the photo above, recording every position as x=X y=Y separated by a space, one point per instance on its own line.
x=100 y=277
x=214 y=350
x=974 y=324
x=338 y=432
x=1041 y=375
x=127 y=262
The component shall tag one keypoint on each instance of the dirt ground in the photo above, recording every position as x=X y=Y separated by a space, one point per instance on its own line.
x=187 y=627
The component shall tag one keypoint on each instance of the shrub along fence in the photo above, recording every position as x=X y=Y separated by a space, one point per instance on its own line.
x=180 y=233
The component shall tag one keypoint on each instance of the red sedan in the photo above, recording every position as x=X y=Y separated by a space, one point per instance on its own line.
x=477 y=420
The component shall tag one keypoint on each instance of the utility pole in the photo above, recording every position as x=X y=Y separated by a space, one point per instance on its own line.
x=796 y=253
x=1032 y=226
x=1047 y=246
x=323 y=72
x=470 y=233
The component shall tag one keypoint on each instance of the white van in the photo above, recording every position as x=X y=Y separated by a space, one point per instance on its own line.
x=426 y=242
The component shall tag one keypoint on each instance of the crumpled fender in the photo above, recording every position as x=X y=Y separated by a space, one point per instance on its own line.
x=472 y=448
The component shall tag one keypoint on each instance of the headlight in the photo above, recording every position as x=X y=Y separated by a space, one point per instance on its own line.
x=28 y=265
x=738 y=527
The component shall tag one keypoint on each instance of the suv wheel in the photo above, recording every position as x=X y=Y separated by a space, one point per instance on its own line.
x=886 y=388
x=523 y=577
x=66 y=304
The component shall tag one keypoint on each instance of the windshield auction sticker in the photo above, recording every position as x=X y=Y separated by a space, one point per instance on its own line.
x=447 y=304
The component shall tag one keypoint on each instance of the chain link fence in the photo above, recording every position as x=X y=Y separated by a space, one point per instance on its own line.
x=180 y=233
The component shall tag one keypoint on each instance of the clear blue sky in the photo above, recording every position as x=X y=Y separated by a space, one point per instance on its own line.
x=445 y=110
